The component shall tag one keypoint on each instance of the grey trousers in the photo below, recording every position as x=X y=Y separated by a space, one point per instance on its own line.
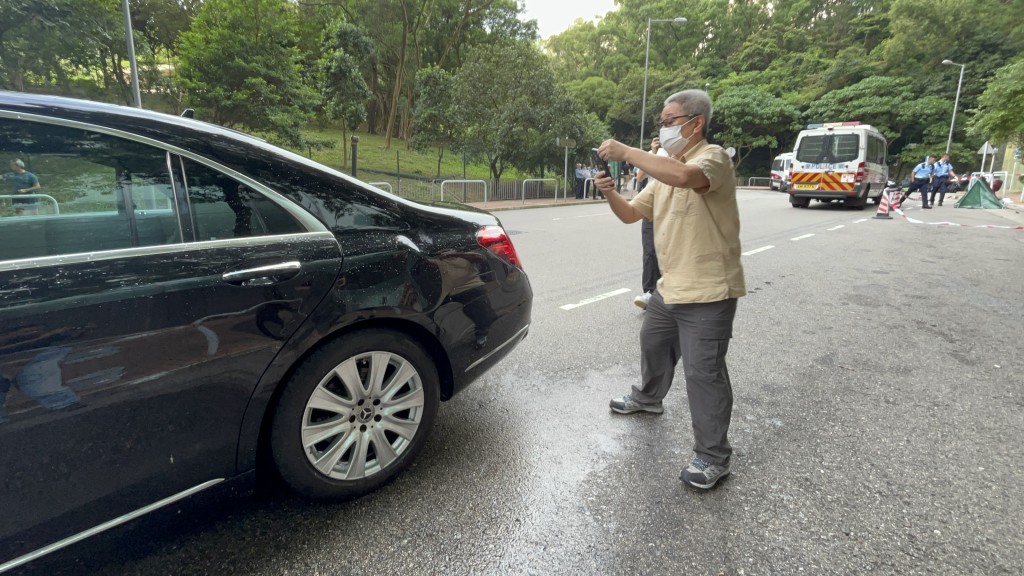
x=699 y=333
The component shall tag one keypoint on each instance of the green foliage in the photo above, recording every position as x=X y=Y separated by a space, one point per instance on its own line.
x=344 y=91
x=437 y=122
x=513 y=117
x=385 y=66
x=596 y=94
x=747 y=118
x=46 y=41
x=1000 y=115
x=240 y=66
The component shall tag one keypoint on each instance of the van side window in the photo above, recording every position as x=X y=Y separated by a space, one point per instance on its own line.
x=97 y=192
x=223 y=208
x=876 y=150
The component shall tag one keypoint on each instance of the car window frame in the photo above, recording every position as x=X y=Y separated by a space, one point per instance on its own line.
x=307 y=221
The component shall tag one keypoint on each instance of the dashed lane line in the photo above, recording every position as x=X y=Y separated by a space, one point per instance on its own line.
x=861 y=220
x=761 y=249
x=837 y=227
x=595 y=299
x=798 y=238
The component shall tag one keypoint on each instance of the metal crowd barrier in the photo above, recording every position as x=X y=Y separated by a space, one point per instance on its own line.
x=539 y=180
x=56 y=207
x=464 y=182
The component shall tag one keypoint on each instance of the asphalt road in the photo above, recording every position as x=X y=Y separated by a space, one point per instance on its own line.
x=877 y=368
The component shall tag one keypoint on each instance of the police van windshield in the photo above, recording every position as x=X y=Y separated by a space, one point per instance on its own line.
x=828 y=148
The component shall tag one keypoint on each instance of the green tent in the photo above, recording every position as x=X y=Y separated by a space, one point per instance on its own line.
x=979 y=195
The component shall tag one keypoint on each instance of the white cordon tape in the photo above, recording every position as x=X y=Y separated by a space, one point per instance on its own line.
x=916 y=221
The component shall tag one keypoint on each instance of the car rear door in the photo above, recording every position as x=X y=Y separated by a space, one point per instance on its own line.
x=135 y=324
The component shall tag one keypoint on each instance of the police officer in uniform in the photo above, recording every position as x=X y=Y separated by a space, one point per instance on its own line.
x=922 y=177
x=942 y=170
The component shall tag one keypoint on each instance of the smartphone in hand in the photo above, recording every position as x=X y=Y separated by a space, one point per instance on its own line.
x=602 y=165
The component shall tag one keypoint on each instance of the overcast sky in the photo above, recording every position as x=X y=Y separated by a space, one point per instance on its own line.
x=554 y=16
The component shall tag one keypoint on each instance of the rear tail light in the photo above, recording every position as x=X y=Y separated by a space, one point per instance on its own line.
x=860 y=171
x=496 y=240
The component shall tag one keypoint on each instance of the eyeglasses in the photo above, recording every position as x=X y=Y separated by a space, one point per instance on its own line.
x=668 y=121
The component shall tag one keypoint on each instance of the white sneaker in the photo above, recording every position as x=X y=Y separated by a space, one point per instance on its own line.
x=642 y=300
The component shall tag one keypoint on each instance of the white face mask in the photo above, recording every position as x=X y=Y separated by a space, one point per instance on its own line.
x=672 y=139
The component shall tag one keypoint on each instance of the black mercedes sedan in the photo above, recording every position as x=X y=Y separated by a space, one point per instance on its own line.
x=182 y=304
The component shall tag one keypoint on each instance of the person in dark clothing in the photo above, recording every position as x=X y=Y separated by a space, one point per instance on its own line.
x=940 y=179
x=651 y=273
x=922 y=180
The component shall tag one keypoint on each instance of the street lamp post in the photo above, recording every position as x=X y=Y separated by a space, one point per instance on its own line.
x=131 y=53
x=948 y=62
x=647 y=59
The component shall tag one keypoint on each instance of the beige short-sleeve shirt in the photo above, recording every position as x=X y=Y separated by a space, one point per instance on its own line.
x=697 y=236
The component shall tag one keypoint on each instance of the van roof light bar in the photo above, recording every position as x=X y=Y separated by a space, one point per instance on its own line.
x=834 y=124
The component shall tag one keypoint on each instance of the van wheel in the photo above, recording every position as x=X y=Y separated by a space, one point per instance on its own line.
x=800 y=202
x=354 y=415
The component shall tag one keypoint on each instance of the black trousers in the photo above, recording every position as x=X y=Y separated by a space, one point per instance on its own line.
x=922 y=185
x=939 y=187
x=652 y=273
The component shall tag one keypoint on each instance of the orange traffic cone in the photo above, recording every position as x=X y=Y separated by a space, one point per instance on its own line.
x=883 y=207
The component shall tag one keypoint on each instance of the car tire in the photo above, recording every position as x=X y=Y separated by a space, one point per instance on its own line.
x=335 y=434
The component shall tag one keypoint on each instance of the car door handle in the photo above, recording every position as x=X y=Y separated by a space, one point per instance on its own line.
x=263 y=275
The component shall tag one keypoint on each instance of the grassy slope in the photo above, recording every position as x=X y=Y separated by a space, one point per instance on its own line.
x=373 y=156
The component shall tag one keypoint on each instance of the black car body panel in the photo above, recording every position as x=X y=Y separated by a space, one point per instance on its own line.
x=141 y=350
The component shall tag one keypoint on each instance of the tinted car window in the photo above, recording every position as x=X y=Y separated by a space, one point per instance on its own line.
x=224 y=208
x=101 y=192
x=341 y=205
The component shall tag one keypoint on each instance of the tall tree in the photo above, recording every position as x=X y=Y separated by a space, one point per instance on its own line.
x=521 y=106
x=44 y=41
x=345 y=93
x=747 y=118
x=240 y=66
x=435 y=119
x=1001 y=107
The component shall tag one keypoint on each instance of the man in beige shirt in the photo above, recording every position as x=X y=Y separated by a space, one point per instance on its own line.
x=692 y=204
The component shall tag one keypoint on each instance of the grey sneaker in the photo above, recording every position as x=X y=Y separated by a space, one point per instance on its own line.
x=626 y=405
x=703 y=475
x=642 y=300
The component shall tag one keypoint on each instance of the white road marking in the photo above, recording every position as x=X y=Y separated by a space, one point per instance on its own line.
x=761 y=249
x=801 y=237
x=595 y=299
x=837 y=227
x=861 y=220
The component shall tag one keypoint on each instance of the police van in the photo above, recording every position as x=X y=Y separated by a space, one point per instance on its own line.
x=839 y=161
x=780 y=172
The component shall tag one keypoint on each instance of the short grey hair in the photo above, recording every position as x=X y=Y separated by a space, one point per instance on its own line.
x=694 y=102
x=18 y=162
